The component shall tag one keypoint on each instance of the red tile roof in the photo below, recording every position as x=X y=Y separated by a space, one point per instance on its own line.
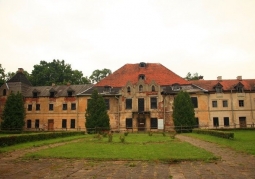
x=152 y=71
x=249 y=84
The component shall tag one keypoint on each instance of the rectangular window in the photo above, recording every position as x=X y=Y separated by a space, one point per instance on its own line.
x=51 y=106
x=226 y=121
x=154 y=123
x=29 y=123
x=153 y=103
x=63 y=123
x=241 y=103
x=37 y=107
x=72 y=124
x=35 y=95
x=107 y=103
x=197 y=122
x=128 y=103
x=225 y=103
x=69 y=93
x=214 y=104
x=194 y=102
x=215 y=121
x=73 y=106
x=29 y=107
x=64 y=107
x=129 y=123
x=52 y=94
x=37 y=123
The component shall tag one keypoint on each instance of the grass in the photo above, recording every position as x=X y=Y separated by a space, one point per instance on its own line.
x=135 y=147
x=244 y=140
x=38 y=143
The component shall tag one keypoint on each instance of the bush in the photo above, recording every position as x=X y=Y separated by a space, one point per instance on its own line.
x=122 y=138
x=110 y=137
x=17 y=139
x=150 y=133
x=223 y=134
x=125 y=133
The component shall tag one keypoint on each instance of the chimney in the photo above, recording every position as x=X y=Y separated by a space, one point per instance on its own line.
x=201 y=77
x=239 y=78
x=219 y=78
x=20 y=70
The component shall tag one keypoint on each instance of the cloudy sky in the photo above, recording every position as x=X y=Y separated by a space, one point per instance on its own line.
x=210 y=37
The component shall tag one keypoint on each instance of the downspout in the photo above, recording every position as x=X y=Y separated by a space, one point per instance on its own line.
x=118 y=113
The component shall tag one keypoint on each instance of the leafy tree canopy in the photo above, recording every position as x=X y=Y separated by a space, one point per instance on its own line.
x=2 y=75
x=183 y=111
x=195 y=76
x=97 y=75
x=57 y=72
x=14 y=112
x=96 y=113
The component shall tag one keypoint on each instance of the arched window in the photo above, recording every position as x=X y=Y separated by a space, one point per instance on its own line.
x=153 y=88
x=140 y=88
x=4 y=92
x=128 y=89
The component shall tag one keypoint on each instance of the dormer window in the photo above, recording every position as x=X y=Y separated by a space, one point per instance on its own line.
x=176 y=87
x=142 y=64
x=141 y=88
x=153 y=88
x=70 y=92
x=107 y=88
x=35 y=93
x=128 y=89
x=218 y=88
x=141 y=77
x=239 y=88
x=52 y=93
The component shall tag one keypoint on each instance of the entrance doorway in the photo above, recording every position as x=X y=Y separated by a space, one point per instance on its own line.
x=141 y=124
x=51 y=124
x=242 y=122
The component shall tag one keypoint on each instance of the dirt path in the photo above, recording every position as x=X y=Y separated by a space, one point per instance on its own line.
x=233 y=165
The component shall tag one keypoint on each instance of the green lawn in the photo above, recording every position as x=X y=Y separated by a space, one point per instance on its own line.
x=244 y=140
x=38 y=143
x=135 y=147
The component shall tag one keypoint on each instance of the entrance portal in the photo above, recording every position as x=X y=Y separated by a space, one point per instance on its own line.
x=141 y=124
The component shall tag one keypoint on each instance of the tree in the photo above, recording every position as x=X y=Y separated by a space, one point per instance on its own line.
x=183 y=112
x=195 y=76
x=96 y=113
x=2 y=75
x=97 y=75
x=14 y=112
x=57 y=72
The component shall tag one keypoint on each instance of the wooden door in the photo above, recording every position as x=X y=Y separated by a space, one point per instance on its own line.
x=51 y=124
x=242 y=122
x=141 y=124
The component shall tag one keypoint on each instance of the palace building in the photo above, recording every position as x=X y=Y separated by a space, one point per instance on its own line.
x=138 y=97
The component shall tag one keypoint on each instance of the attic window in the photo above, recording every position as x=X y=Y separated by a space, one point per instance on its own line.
x=4 y=92
x=70 y=92
x=52 y=93
x=176 y=87
x=141 y=88
x=218 y=88
x=142 y=77
x=107 y=88
x=239 y=88
x=128 y=89
x=142 y=64
x=153 y=88
x=35 y=93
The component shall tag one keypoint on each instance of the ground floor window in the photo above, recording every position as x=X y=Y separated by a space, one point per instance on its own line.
x=129 y=123
x=63 y=123
x=196 y=122
x=215 y=121
x=29 y=122
x=72 y=123
x=37 y=123
x=154 y=123
x=226 y=121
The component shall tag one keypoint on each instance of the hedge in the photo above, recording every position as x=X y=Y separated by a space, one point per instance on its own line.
x=223 y=134
x=17 y=139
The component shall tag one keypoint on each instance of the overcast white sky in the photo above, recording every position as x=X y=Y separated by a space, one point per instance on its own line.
x=211 y=37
